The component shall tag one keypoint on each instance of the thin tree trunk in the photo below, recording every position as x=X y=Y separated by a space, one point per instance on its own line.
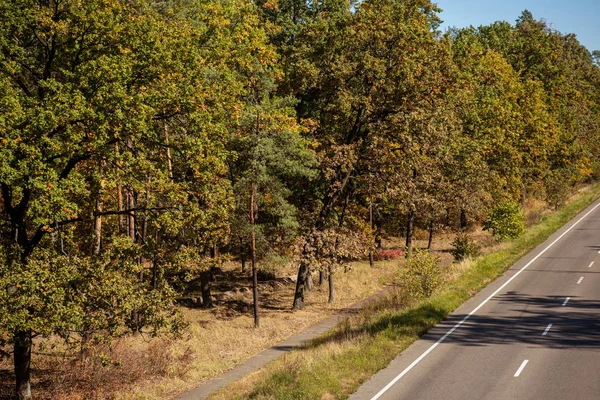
x=155 y=262
x=122 y=219
x=242 y=258
x=431 y=229
x=169 y=159
x=331 y=288
x=97 y=229
x=371 y=258
x=22 y=363
x=410 y=224
x=253 y=250
x=309 y=282
x=321 y=278
x=131 y=215
x=378 y=225
x=98 y=218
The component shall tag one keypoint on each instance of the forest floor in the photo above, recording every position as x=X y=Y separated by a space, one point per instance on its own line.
x=218 y=339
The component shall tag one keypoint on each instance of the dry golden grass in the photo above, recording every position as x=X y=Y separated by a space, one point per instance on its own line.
x=222 y=340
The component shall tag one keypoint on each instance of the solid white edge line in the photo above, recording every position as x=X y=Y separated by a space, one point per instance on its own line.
x=547 y=329
x=462 y=321
x=579 y=281
x=523 y=364
x=590 y=266
x=566 y=301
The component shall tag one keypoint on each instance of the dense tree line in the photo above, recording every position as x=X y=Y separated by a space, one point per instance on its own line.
x=138 y=140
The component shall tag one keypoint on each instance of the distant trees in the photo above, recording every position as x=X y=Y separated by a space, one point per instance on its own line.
x=136 y=138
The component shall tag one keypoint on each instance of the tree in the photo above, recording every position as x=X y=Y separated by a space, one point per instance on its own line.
x=109 y=134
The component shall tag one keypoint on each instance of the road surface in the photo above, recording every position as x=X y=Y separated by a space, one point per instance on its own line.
x=532 y=334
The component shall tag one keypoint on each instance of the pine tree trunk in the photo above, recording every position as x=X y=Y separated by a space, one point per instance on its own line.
x=97 y=229
x=410 y=224
x=22 y=363
x=253 y=249
x=331 y=288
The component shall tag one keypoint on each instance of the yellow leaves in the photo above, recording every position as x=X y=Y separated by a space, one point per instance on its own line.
x=272 y=5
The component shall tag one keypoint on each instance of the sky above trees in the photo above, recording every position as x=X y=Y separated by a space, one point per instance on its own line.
x=577 y=16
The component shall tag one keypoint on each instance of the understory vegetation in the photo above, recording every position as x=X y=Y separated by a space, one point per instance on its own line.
x=146 y=145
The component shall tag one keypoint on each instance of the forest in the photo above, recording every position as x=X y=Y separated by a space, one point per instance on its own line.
x=144 y=142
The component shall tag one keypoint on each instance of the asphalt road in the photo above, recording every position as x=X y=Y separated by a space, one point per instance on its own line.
x=536 y=337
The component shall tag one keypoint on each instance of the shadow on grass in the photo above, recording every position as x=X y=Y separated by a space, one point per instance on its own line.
x=375 y=319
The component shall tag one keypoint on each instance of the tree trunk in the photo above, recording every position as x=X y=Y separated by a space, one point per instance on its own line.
x=379 y=231
x=371 y=259
x=242 y=258
x=321 y=278
x=431 y=229
x=253 y=250
x=410 y=225
x=169 y=159
x=463 y=219
x=22 y=363
x=131 y=215
x=331 y=288
x=523 y=196
x=309 y=282
x=122 y=218
x=303 y=270
x=205 y=281
x=97 y=229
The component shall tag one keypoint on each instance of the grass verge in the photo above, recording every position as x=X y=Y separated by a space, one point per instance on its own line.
x=334 y=365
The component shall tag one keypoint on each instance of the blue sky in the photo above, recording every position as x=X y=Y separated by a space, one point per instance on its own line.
x=581 y=17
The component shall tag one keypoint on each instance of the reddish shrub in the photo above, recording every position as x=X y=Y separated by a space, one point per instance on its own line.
x=388 y=254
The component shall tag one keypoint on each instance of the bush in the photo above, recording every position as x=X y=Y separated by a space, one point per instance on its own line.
x=423 y=274
x=388 y=254
x=506 y=221
x=464 y=247
x=266 y=272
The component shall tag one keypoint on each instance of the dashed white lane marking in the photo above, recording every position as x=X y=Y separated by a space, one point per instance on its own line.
x=566 y=301
x=590 y=266
x=547 y=329
x=466 y=317
x=579 y=281
x=521 y=368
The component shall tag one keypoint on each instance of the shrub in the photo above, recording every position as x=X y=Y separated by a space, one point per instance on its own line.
x=464 y=247
x=266 y=272
x=423 y=274
x=388 y=254
x=506 y=221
